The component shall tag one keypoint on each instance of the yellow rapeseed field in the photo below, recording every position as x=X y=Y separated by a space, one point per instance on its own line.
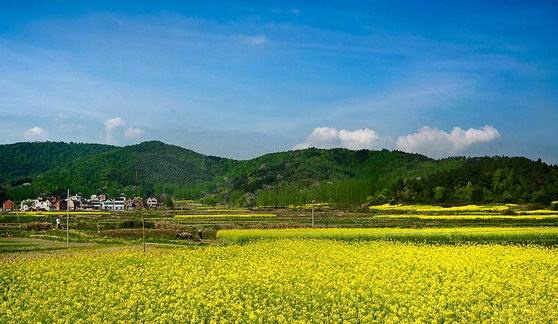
x=431 y=208
x=539 y=212
x=310 y=206
x=539 y=235
x=320 y=281
x=479 y=217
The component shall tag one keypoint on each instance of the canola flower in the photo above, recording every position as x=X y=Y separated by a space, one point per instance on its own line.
x=479 y=217
x=221 y=209
x=539 y=212
x=226 y=216
x=314 y=281
x=431 y=208
x=224 y=210
x=310 y=206
x=539 y=235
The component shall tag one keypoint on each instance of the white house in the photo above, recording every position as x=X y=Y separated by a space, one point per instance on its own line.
x=151 y=202
x=117 y=204
x=43 y=204
x=107 y=204
x=95 y=203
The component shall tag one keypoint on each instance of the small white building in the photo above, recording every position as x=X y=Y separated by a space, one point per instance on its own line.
x=43 y=204
x=107 y=204
x=119 y=203
x=95 y=203
x=73 y=204
x=151 y=202
x=116 y=204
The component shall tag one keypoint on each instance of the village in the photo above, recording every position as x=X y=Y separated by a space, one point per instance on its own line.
x=79 y=203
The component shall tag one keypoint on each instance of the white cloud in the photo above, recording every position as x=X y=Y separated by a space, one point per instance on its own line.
x=254 y=40
x=110 y=126
x=133 y=132
x=438 y=143
x=358 y=139
x=323 y=135
x=113 y=123
x=430 y=141
x=36 y=134
x=327 y=137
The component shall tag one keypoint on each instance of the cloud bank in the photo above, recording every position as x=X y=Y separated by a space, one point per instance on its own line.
x=36 y=134
x=327 y=137
x=429 y=141
x=438 y=143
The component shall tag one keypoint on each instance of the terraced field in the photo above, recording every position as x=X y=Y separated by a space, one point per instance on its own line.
x=524 y=235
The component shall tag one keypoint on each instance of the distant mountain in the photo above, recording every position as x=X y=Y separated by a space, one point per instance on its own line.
x=338 y=176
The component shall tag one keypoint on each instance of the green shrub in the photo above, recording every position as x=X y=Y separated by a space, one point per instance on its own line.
x=38 y=226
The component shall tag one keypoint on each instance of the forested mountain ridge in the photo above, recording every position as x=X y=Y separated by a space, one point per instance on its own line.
x=338 y=176
x=21 y=161
x=134 y=169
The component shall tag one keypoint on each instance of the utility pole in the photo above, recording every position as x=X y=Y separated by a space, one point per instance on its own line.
x=68 y=219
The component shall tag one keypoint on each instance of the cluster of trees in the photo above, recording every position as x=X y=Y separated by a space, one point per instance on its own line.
x=340 y=192
x=479 y=180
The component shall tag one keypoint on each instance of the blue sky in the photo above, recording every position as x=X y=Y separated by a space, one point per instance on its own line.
x=240 y=79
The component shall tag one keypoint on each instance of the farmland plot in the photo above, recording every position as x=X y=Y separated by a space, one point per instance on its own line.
x=306 y=280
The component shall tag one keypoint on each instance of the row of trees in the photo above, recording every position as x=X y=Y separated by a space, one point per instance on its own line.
x=340 y=192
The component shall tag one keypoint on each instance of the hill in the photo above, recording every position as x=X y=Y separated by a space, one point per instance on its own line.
x=20 y=162
x=337 y=176
x=135 y=169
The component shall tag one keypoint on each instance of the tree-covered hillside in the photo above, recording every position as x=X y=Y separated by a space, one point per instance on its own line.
x=20 y=162
x=337 y=176
x=136 y=169
x=484 y=179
